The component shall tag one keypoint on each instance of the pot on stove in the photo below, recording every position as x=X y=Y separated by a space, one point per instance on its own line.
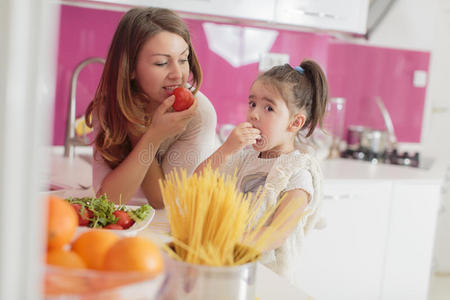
x=374 y=140
x=360 y=137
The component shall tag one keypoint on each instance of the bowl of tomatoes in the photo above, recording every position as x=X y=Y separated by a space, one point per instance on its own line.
x=99 y=212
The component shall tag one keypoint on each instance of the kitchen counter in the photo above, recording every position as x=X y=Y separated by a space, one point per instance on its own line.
x=348 y=169
x=393 y=192
x=77 y=173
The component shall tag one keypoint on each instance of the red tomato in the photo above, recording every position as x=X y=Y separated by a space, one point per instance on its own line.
x=124 y=219
x=183 y=99
x=113 y=226
x=83 y=220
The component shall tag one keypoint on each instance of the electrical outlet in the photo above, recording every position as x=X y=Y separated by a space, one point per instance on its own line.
x=269 y=60
x=420 y=78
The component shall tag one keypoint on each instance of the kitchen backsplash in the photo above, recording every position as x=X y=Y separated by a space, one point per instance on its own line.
x=356 y=72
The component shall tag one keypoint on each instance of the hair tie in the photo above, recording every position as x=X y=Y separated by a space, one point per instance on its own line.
x=299 y=69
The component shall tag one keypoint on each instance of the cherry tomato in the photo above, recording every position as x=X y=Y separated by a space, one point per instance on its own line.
x=83 y=220
x=124 y=219
x=183 y=99
x=113 y=226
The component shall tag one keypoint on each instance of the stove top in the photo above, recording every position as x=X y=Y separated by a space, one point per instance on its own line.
x=386 y=157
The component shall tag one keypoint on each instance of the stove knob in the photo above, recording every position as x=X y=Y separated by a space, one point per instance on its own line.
x=406 y=161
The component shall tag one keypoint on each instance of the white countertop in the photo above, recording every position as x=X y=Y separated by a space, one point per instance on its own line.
x=67 y=173
x=348 y=169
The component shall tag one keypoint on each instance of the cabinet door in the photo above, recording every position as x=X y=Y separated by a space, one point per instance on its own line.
x=247 y=9
x=442 y=245
x=345 y=259
x=410 y=243
x=340 y=15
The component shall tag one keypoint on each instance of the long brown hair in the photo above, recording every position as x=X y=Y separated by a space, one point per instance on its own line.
x=118 y=99
x=305 y=88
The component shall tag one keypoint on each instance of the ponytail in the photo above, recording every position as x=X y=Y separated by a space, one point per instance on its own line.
x=319 y=94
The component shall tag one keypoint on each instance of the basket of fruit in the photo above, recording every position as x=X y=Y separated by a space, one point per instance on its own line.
x=98 y=263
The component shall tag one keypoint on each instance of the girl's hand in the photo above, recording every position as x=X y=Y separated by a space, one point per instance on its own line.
x=242 y=135
x=169 y=123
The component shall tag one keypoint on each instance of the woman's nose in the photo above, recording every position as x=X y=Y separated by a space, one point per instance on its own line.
x=175 y=71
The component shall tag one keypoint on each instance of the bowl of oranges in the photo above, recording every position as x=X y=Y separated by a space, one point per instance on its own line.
x=98 y=263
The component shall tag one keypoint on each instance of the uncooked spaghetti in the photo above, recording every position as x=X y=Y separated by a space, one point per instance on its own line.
x=213 y=224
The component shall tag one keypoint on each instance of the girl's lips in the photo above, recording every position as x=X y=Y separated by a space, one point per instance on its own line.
x=261 y=141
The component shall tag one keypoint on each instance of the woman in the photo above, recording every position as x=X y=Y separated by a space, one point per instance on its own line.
x=138 y=137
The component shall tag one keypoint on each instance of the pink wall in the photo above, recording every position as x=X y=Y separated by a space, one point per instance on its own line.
x=83 y=33
x=355 y=72
x=360 y=73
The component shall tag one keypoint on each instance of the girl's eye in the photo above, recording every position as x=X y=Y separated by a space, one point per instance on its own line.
x=251 y=104
x=269 y=108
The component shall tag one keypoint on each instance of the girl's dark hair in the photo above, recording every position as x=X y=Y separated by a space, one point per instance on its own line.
x=302 y=89
x=119 y=100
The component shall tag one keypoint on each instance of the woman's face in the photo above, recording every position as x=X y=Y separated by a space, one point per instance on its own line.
x=162 y=65
x=268 y=112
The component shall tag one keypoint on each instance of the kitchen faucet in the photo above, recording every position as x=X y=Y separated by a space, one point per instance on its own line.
x=71 y=139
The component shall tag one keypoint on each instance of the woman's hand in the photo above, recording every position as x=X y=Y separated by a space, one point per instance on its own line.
x=242 y=135
x=169 y=123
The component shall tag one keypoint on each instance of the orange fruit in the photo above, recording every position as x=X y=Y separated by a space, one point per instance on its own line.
x=92 y=246
x=62 y=222
x=67 y=259
x=134 y=254
x=67 y=278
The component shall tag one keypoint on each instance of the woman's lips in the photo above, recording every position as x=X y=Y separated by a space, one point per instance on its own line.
x=170 y=88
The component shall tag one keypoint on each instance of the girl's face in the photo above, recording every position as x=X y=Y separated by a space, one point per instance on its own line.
x=268 y=112
x=162 y=65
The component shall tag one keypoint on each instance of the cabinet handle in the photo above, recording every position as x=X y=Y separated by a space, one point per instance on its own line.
x=337 y=197
x=315 y=14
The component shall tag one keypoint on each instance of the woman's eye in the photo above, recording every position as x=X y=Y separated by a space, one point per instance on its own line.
x=161 y=64
x=183 y=61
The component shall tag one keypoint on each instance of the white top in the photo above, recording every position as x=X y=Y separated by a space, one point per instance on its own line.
x=294 y=170
x=252 y=172
x=186 y=150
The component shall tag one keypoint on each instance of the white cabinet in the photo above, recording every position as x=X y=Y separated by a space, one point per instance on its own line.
x=242 y=9
x=378 y=242
x=336 y=15
x=409 y=250
x=339 y=15
x=345 y=259
x=442 y=245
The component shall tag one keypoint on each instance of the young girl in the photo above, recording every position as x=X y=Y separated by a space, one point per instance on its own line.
x=283 y=103
x=138 y=137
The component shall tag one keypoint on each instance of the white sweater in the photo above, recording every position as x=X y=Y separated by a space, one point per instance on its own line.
x=284 y=260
